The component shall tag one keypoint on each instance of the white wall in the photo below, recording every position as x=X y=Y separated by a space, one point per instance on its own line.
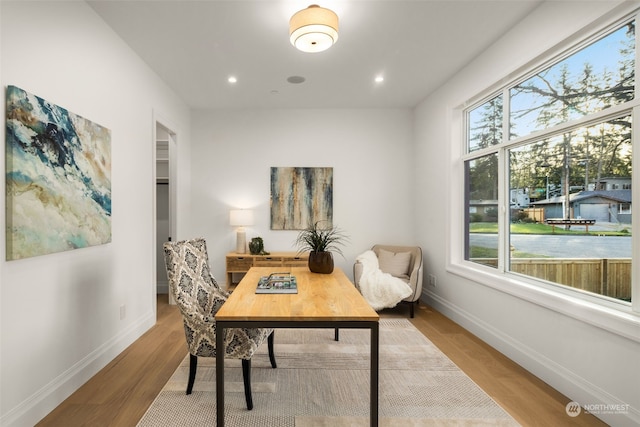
x=370 y=151
x=60 y=313
x=589 y=364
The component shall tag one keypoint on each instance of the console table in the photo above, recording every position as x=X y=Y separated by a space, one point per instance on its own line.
x=241 y=263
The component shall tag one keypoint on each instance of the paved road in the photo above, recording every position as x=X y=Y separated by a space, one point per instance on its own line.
x=562 y=246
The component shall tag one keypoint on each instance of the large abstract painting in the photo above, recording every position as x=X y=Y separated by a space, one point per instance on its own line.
x=300 y=197
x=58 y=178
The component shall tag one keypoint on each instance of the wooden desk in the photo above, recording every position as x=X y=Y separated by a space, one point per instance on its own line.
x=322 y=301
x=241 y=263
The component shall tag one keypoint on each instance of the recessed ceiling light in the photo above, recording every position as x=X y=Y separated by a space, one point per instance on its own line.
x=379 y=79
x=232 y=79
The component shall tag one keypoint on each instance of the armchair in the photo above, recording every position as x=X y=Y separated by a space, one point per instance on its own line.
x=405 y=265
x=199 y=297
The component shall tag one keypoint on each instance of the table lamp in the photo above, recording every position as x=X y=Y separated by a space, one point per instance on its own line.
x=240 y=218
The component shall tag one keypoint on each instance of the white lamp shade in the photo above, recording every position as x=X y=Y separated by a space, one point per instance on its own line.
x=313 y=29
x=240 y=217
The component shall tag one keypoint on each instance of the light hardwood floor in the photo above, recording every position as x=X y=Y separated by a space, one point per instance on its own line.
x=120 y=393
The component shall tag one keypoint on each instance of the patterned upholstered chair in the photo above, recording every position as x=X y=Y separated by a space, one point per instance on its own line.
x=199 y=297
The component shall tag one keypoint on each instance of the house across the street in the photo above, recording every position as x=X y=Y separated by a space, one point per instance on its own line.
x=602 y=206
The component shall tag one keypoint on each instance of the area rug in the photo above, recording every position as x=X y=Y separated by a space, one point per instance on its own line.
x=320 y=383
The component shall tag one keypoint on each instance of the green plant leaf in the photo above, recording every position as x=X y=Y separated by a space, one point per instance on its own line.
x=316 y=238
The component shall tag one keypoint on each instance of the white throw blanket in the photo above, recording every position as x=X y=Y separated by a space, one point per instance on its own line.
x=380 y=289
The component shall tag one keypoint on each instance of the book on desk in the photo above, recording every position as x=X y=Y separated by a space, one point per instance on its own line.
x=277 y=283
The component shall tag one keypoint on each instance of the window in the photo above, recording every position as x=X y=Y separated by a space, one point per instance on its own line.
x=482 y=201
x=594 y=78
x=558 y=158
x=486 y=124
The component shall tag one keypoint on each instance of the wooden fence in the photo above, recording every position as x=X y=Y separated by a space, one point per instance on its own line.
x=610 y=277
x=536 y=214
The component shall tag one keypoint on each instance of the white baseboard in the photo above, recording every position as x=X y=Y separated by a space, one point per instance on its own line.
x=42 y=402
x=571 y=385
x=162 y=287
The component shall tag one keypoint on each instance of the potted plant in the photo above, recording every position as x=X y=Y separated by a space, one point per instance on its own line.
x=320 y=242
x=256 y=246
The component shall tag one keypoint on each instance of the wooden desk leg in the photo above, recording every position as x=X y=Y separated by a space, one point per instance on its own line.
x=220 y=350
x=375 y=364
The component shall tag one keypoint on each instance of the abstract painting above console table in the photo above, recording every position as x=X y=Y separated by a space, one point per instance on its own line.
x=300 y=197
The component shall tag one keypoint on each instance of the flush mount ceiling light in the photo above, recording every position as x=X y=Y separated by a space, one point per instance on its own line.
x=313 y=29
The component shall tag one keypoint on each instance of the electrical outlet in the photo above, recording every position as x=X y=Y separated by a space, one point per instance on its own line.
x=432 y=280
x=123 y=312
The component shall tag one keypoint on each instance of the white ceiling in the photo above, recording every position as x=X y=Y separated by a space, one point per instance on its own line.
x=194 y=46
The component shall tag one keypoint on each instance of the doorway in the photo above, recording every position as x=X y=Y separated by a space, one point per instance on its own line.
x=165 y=147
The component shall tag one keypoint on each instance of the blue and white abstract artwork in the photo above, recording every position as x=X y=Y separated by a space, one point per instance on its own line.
x=58 y=178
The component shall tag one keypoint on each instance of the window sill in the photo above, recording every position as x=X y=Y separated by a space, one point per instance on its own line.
x=617 y=318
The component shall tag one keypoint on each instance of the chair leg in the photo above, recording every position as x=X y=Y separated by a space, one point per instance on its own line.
x=336 y=334
x=246 y=376
x=412 y=304
x=272 y=355
x=193 y=365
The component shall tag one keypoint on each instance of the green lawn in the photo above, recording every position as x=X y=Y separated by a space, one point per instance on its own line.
x=539 y=228
x=482 y=252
